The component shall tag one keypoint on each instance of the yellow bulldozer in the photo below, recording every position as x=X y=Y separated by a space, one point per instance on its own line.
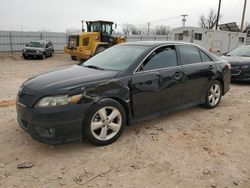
x=97 y=38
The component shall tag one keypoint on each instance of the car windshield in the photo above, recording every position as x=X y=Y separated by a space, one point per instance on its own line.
x=116 y=58
x=243 y=51
x=36 y=44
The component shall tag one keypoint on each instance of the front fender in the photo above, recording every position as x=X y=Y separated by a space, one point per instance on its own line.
x=115 y=89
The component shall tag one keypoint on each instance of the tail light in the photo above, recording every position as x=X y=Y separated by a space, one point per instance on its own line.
x=228 y=66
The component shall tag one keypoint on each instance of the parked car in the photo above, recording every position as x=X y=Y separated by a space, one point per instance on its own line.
x=38 y=49
x=239 y=58
x=124 y=84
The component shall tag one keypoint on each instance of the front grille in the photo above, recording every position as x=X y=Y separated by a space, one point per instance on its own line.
x=26 y=99
x=247 y=73
x=30 y=51
x=235 y=71
x=73 y=41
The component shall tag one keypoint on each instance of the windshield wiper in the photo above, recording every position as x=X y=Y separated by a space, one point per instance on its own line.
x=93 y=67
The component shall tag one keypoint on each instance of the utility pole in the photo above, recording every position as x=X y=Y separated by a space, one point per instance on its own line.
x=148 y=25
x=184 y=19
x=243 y=15
x=218 y=15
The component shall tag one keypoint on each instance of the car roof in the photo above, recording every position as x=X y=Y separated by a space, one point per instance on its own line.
x=244 y=46
x=40 y=41
x=156 y=43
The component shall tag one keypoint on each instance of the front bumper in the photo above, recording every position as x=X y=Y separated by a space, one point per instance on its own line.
x=52 y=125
x=240 y=74
x=84 y=54
x=29 y=54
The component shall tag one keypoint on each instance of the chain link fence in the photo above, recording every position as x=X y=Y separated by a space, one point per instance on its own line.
x=15 y=41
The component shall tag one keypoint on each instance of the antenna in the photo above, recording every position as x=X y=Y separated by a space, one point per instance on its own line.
x=184 y=19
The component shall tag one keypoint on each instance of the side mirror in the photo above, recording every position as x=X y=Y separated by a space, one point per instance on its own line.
x=27 y=45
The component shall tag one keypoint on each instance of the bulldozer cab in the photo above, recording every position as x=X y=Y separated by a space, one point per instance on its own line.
x=105 y=29
x=99 y=36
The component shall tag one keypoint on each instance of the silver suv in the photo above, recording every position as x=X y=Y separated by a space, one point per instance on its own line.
x=38 y=49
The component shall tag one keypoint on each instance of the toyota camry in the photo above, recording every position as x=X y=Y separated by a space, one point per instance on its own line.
x=125 y=84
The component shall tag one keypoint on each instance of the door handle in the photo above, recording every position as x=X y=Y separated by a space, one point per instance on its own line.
x=178 y=75
x=211 y=67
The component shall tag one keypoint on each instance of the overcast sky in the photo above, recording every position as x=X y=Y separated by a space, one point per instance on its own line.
x=59 y=15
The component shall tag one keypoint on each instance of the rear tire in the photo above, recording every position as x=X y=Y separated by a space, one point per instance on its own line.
x=213 y=95
x=104 y=123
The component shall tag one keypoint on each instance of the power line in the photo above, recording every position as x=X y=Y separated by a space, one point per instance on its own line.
x=153 y=21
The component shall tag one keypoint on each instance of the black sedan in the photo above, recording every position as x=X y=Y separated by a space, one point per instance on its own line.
x=120 y=86
x=239 y=58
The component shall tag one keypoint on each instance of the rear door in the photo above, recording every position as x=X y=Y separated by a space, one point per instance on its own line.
x=156 y=84
x=198 y=70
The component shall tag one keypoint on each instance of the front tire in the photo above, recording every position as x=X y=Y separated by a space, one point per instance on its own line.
x=213 y=95
x=104 y=123
x=43 y=56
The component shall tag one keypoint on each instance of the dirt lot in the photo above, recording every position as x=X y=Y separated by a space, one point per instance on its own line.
x=191 y=148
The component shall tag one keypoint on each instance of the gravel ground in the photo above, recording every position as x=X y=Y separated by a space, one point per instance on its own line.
x=195 y=147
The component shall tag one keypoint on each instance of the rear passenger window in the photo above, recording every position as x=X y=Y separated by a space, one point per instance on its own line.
x=205 y=57
x=189 y=55
x=161 y=58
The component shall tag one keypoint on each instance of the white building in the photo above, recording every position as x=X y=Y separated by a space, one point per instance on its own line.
x=216 y=41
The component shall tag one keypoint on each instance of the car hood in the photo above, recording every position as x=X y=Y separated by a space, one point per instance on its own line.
x=67 y=78
x=236 y=60
x=33 y=48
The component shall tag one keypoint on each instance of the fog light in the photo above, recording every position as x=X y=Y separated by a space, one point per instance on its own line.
x=244 y=66
x=52 y=131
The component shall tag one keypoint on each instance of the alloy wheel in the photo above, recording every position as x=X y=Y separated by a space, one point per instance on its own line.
x=106 y=123
x=214 y=94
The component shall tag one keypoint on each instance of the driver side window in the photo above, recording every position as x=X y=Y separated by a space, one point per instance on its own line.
x=160 y=58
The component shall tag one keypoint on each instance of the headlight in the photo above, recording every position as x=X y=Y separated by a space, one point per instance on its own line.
x=54 y=101
x=38 y=51
x=24 y=50
x=245 y=66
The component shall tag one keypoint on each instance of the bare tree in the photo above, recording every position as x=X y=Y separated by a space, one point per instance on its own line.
x=162 y=30
x=130 y=29
x=208 y=22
